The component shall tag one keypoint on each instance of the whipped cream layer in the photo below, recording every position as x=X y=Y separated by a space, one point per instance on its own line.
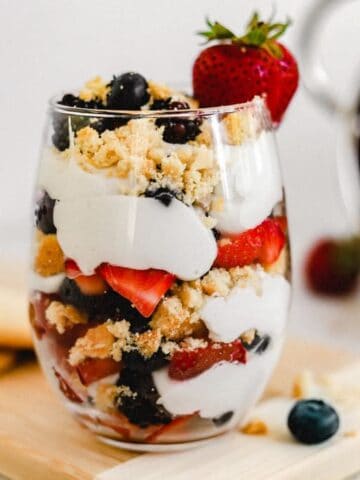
x=64 y=179
x=45 y=284
x=250 y=183
x=244 y=308
x=134 y=232
x=222 y=388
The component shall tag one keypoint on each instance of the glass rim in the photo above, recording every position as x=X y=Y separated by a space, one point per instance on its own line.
x=256 y=102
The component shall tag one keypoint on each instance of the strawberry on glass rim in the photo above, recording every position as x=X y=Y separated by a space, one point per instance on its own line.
x=240 y=67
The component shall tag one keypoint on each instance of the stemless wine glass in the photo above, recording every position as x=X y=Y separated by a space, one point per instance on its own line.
x=160 y=272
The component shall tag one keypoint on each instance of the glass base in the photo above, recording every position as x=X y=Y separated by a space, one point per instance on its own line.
x=157 y=448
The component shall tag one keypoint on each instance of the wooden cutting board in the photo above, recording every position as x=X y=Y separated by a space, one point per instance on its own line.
x=39 y=440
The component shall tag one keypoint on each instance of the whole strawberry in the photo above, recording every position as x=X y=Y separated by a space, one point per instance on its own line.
x=238 y=68
x=333 y=266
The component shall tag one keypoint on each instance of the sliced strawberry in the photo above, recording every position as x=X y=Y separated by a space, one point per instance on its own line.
x=189 y=363
x=282 y=221
x=38 y=305
x=88 y=284
x=144 y=288
x=94 y=369
x=71 y=269
x=66 y=389
x=260 y=244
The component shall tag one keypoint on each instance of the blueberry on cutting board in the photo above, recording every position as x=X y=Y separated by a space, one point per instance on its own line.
x=313 y=421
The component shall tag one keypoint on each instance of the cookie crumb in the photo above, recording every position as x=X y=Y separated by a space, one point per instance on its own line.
x=173 y=320
x=121 y=331
x=49 y=259
x=255 y=427
x=216 y=283
x=94 y=89
x=190 y=343
x=96 y=343
x=239 y=127
x=303 y=385
x=63 y=317
x=169 y=347
x=109 y=396
x=148 y=342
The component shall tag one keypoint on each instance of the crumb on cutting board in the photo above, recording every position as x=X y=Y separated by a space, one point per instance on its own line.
x=255 y=427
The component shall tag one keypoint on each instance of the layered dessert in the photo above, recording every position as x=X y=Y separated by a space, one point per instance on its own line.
x=159 y=281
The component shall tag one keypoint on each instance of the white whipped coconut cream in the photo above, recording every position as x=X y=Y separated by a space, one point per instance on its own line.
x=223 y=387
x=65 y=179
x=250 y=183
x=227 y=317
x=134 y=232
x=45 y=284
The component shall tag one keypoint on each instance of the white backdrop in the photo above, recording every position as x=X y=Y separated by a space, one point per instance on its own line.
x=48 y=46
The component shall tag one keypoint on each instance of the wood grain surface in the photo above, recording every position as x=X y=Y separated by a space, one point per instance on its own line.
x=41 y=441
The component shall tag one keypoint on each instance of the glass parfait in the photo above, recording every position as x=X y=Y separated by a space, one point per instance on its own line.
x=159 y=284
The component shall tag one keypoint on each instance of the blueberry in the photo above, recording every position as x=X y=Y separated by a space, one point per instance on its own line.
x=61 y=137
x=259 y=344
x=164 y=195
x=313 y=421
x=176 y=130
x=224 y=418
x=128 y=91
x=60 y=121
x=142 y=408
x=44 y=214
x=102 y=307
x=160 y=104
x=134 y=361
x=103 y=124
x=71 y=100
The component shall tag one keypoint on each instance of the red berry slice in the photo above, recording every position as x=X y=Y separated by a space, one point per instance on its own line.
x=94 y=369
x=66 y=389
x=261 y=244
x=187 y=364
x=282 y=221
x=71 y=269
x=144 y=288
x=88 y=284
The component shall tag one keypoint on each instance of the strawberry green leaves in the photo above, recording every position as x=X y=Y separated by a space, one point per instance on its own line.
x=258 y=34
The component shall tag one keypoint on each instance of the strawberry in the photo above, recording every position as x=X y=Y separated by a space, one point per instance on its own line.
x=69 y=393
x=332 y=267
x=282 y=222
x=93 y=369
x=186 y=364
x=253 y=64
x=260 y=244
x=144 y=288
x=88 y=284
